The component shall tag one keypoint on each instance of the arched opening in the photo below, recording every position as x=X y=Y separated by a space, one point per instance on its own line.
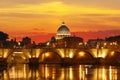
x=50 y=57
x=17 y=58
x=113 y=58
x=83 y=58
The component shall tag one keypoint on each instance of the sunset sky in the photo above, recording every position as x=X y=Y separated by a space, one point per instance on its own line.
x=40 y=19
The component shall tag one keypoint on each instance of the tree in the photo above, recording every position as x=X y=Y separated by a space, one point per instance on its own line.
x=26 y=40
x=3 y=36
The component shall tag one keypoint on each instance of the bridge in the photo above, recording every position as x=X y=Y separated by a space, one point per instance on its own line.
x=60 y=55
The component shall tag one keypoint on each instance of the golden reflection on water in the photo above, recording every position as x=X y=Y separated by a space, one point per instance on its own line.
x=58 y=72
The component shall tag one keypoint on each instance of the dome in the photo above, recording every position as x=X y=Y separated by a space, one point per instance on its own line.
x=63 y=31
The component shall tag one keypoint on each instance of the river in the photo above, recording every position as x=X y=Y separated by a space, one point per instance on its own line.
x=58 y=72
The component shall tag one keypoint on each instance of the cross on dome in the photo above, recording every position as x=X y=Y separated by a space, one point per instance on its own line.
x=63 y=23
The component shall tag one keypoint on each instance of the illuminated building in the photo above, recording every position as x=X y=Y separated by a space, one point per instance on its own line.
x=94 y=42
x=64 y=39
x=63 y=31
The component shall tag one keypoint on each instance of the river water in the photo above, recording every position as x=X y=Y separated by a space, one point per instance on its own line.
x=58 y=72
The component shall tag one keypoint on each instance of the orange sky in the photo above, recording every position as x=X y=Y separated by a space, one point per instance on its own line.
x=22 y=18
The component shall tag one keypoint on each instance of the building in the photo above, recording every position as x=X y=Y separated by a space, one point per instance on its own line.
x=63 y=31
x=64 y=39
x=93 y=43
x=70 y=42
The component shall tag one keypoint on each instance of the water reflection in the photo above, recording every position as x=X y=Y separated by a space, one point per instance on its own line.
x=57 y=72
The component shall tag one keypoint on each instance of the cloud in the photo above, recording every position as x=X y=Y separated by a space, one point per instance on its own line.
x=43 y=22
x=39 y=29
x=56 y=8
x=25 y=15
x=96 y=3
x=14 y=3
x=28 y=15
x=88 y=3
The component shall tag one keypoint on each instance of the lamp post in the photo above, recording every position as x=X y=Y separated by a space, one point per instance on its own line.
x=102 y=52
x=98 y=46
x=97 y=49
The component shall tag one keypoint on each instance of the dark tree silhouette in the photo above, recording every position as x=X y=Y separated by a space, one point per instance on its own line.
x=26 y=40
x=3 y=36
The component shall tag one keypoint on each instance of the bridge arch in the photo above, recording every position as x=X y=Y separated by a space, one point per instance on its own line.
x=49 y=56
x=17 y=56
x=113 y=57
x=82 y=56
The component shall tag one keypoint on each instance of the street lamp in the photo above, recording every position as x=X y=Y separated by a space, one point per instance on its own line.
x=97 y=49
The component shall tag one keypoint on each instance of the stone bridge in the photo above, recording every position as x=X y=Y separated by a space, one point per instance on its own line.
x=58 y=55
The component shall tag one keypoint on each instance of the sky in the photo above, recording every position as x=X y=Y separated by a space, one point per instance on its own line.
x=40 y=19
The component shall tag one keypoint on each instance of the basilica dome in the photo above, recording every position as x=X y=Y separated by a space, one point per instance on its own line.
x=63 y=31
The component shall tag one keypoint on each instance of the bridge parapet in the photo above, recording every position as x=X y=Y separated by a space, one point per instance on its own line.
x=27 y=53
